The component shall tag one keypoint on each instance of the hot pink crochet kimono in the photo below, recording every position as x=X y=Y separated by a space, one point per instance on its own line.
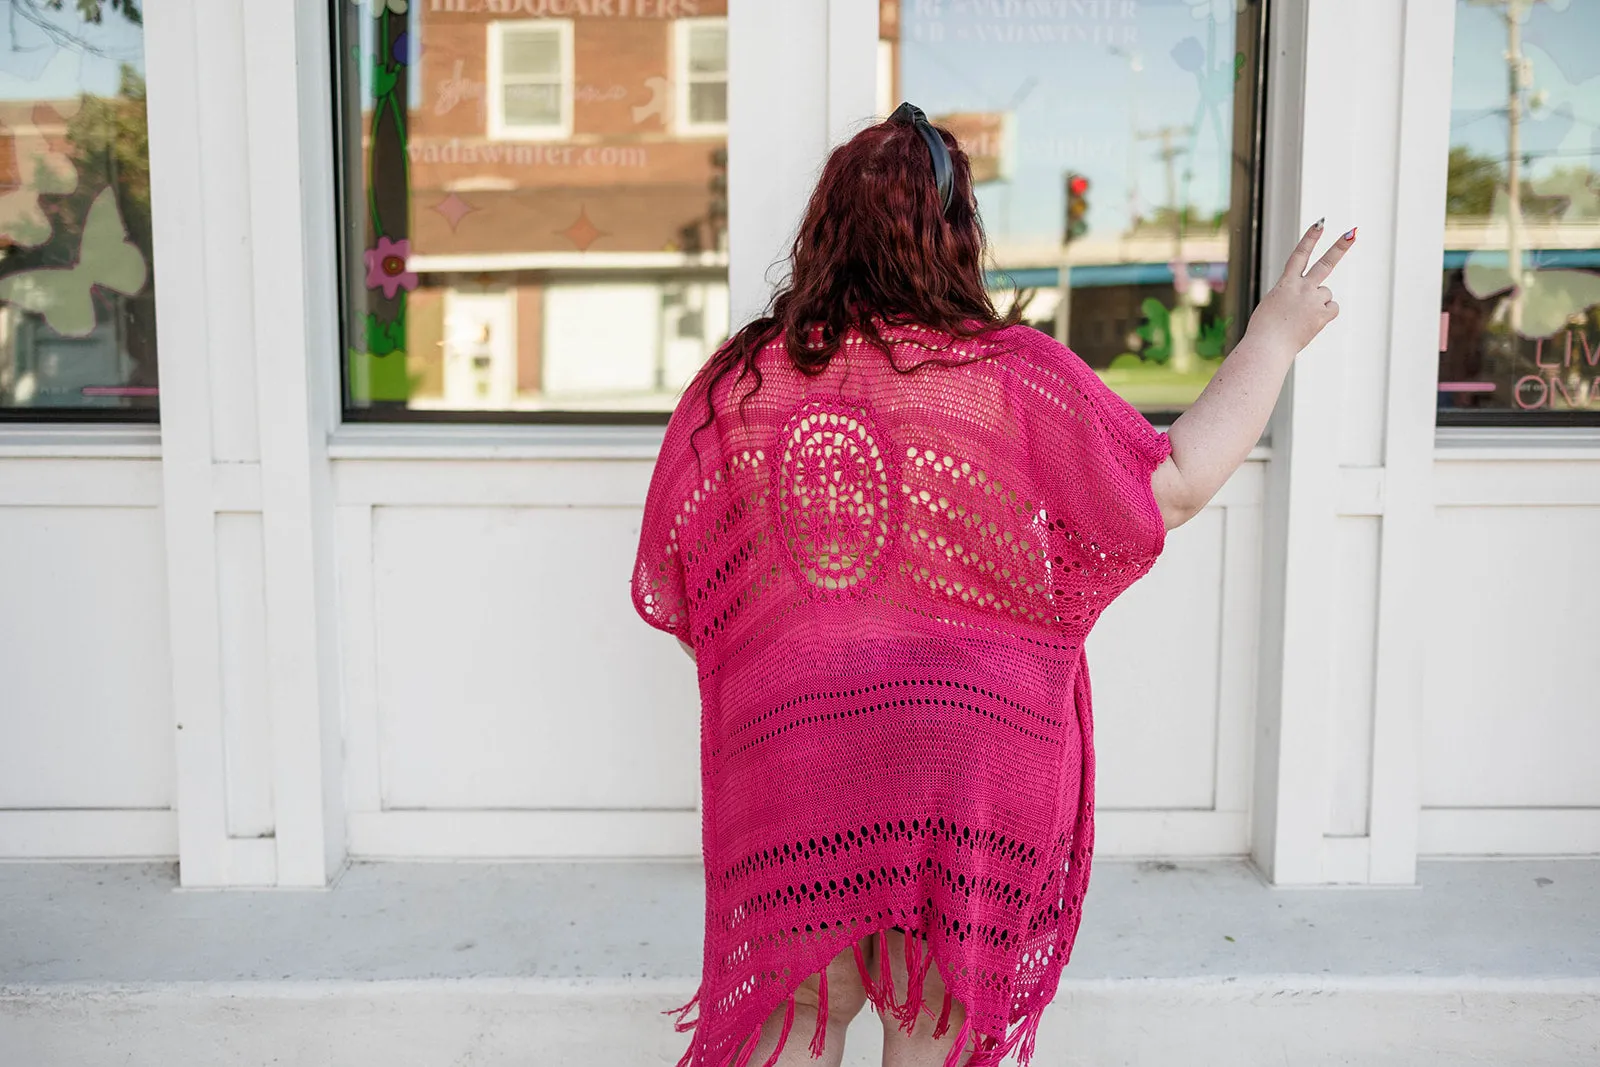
x=888 y=578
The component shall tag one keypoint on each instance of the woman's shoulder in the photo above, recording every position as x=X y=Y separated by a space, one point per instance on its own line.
x=1032 y=353
x=970 y=338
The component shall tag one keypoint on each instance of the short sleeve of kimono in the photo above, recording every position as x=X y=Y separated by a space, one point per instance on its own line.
x=660 y=585
x=1093 y=454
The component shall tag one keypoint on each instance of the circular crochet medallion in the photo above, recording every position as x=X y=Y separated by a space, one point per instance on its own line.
x=833 y=496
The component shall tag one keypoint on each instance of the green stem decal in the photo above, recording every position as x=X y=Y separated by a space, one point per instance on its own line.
x=378 y=362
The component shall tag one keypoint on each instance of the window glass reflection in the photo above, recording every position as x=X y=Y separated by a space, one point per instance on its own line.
x=535 y=204
x=1115 y=145
x=77 y=303
x=1519 y=334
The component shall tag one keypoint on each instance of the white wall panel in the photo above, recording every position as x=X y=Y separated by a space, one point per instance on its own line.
x=85 y=704
x=246 y=726
x=1355 y=611
x=511 y=670
x=1367 y=136
x=1512 y=713
x=1154 y=659
x=503 y=699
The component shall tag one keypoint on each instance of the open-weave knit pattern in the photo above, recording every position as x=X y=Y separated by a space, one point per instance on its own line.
x=888 y=579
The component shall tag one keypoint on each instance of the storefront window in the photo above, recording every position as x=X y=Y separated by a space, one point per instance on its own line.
x=535 y=205
x=77 y=301
x=1115 y=143
x=1519 y=333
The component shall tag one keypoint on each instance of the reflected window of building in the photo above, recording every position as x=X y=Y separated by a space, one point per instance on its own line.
x=1115 y=147
x=1519 y=330
x=702 y=68
x=530 y=70
x=534 y=208
x=77 y=300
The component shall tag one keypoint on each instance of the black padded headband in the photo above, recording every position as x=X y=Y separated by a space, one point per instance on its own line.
x=944 y=173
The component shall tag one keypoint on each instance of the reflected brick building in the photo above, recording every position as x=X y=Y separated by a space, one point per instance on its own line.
x=567 y=180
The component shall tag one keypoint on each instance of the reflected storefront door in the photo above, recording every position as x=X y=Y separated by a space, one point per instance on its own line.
x=480 y=348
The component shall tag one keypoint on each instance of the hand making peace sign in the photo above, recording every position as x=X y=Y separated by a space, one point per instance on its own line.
x=1300 y=304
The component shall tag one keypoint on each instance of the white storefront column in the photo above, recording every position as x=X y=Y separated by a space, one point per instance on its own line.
x=802 y=79
x=1357 y=131
x=241 y=158
x=852 y=68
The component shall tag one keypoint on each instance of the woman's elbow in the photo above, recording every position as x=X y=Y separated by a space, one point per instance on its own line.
x=1174 y=495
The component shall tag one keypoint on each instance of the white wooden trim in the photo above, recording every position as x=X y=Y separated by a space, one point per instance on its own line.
x=225 y=174
x=80 y=483
x=465 y=483
x=1238 y=649
x=852 y=67
x=1427 y=52
x=176 y=65
x=460 y=441
x=1348 y=860
x=290 y=107
x=682 y=124
x=676 y=834
x=80 y=442
x=1509 y=832
x=1361 y=490
x=524 y=834
x=1336 y=146
x=1516 y=442
x=1531 y=482
x=82 y=834
x=777 y=65
x=363 y=775
x=1302 y=174
x=499 y=130
x=1190 y=834
x=244 y=240
x=236 y=487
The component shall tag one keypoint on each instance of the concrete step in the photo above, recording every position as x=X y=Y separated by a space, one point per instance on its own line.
x=449 y=965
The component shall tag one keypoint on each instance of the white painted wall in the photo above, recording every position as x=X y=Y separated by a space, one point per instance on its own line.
x=266 y=642
x=86 y=750
x=503 y=698
x=1511 y=717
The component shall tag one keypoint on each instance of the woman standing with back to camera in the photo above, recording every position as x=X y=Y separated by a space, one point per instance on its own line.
x=883 y=520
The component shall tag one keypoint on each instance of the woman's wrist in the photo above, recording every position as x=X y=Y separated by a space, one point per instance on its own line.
x=1267 y=344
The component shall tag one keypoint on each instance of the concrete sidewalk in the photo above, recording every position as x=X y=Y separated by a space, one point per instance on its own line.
x=544 y=963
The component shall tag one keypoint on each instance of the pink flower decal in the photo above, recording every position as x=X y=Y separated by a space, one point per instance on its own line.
x=386 y=267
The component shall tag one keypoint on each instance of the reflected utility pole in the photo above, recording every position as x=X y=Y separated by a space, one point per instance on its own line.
x=1517 y=67
x=1514 y=12
x=1184 y=321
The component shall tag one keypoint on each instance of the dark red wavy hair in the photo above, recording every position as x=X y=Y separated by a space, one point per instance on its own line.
x=874 y=247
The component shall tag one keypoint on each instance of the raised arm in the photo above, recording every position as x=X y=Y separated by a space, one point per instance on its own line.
x=1214 y=436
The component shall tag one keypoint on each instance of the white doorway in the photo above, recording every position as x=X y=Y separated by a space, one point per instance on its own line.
x=480 y=347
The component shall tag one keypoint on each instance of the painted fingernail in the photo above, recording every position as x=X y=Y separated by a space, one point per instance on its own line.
x=1318 y=224
x=1351 y=236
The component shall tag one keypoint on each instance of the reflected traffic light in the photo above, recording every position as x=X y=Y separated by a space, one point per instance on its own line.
x=1077 y=207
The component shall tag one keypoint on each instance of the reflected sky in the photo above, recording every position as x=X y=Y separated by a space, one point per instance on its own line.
x=34 y=65
x=1082 y=87
x=1564 y=49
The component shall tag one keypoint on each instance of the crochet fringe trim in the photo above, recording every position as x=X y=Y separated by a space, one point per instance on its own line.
x=987 y=1050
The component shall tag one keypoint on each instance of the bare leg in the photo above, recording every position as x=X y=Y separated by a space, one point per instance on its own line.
x=918 y=1048
x=846 y=998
